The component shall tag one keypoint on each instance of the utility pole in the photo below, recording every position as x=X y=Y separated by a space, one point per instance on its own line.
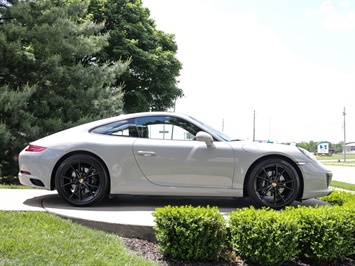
x=344 y=147
x=254 y=127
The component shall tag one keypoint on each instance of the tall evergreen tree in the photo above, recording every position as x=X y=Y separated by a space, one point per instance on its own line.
x=49 y=77
x=151 y=82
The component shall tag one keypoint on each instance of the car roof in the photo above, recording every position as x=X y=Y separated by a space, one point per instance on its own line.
x=96 y=123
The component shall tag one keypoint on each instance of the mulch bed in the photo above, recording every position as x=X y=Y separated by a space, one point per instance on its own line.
x=151 y=252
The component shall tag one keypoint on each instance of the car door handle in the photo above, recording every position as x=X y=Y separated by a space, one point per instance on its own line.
x=146 y=153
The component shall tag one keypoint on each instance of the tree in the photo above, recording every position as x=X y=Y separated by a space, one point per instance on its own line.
x=49 y=77
x=151 y=82
x=4 y=4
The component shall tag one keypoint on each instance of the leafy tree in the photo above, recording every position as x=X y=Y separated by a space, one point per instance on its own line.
x=49 y=77
x=309 y=146
x=312 y=146
x=4 y=4
x=303 y=145
x=151 y=82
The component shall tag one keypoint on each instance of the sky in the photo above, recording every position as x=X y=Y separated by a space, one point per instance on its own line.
x=285 y=69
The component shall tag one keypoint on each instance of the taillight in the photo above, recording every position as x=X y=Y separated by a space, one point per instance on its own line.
x=25 y=172
x=34 y=148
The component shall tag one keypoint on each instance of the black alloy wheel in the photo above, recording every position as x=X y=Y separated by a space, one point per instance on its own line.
x=273 y=183
x=82 y=180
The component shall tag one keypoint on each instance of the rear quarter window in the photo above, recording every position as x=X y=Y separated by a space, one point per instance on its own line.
x=122 y=128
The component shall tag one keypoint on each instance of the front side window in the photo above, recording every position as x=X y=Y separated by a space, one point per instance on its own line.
x=215 y=131
x=166 y=127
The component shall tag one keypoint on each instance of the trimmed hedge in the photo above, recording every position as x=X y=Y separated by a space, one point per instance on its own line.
x=264 y=236
x=326 y=233
x=190 y=233
x=339 y=198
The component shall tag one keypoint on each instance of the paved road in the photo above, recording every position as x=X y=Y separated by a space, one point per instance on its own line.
x=343 y=173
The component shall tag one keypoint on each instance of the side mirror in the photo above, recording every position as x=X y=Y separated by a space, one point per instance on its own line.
x=207 y=138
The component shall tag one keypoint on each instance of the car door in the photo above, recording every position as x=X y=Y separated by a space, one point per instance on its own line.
x=168 y=155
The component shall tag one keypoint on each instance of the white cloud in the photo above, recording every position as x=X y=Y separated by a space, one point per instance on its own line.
x=340 y=21
x=345 y=3
x=335 y=15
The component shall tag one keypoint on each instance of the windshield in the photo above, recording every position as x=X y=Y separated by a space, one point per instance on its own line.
x=215 y=131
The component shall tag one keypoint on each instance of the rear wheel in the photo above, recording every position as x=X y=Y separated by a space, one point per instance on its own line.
x=273 y=183
x=82 y=180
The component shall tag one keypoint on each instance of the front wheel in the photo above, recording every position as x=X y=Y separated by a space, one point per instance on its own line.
x=82 y=180
x=273 y=183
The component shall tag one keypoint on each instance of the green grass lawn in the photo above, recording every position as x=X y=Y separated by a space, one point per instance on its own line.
x=15 y=187
x=343 y=185
x=39 y=238
x=338 y=159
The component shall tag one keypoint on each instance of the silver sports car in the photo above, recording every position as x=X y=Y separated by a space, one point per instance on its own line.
x=163 y=153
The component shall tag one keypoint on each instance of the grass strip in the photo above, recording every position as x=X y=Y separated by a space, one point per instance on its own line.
x=343 y=185
x=38 y=238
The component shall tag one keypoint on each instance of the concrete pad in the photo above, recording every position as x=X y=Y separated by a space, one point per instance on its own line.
x=125 y=215
x=23 y=199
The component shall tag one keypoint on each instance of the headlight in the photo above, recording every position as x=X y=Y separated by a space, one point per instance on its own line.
x=308 y=154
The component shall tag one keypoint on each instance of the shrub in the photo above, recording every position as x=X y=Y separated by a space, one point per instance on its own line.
x=9 y=180
x=339 y=197
x=327 y=233
x=190 y=233
x=264 y=236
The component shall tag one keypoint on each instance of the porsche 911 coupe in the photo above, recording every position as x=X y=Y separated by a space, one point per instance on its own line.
x=163 y=153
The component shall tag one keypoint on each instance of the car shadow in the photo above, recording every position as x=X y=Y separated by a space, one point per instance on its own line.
x=222 y=203
x=150 y=203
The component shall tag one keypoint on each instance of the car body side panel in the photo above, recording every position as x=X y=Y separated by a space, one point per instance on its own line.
x=317 y=185
x=33 y=163
x=182 y=163
x=115 y=152
x=313 y=172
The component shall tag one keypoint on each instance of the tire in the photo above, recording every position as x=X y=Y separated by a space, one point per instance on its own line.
x=273 y=183
x=82 y=180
